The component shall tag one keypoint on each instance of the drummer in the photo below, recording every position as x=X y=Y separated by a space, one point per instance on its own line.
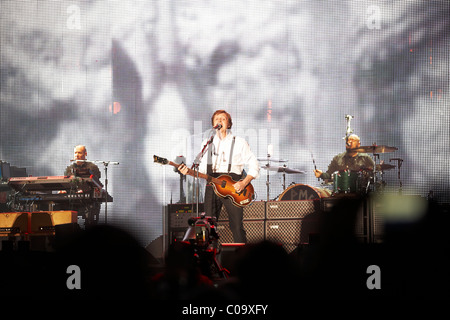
x=349 y=160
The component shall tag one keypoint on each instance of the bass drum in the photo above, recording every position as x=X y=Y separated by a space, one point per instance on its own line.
x=304 y=192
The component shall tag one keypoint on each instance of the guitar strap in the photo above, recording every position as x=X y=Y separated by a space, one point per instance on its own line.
x=209 y=159
x=231 y=154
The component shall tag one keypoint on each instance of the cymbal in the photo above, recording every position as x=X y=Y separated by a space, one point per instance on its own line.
x=282 y=169
x=384 y=167
x=270 y=159
x=374 y=149
x=379 y=167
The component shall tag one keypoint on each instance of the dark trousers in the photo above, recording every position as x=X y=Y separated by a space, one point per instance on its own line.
x=213 y=206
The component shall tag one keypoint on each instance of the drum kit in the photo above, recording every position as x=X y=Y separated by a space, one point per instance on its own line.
x=343 y=182
x=360 y=182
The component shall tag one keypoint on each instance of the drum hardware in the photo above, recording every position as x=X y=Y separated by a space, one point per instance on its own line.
x=376 y=150
x=384 y=167
x=380 y=169
x=284 y=169
x=374 y=176
x=268 y=159
x=399 y=164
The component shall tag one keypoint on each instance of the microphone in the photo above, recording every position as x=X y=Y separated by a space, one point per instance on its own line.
x=217 y=126
x=346 y=141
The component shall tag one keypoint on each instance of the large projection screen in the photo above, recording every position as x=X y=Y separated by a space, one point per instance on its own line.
x=133 y=79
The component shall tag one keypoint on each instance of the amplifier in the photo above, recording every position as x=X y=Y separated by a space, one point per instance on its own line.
x=178 y=214
x=254 y=211
x=292 y=209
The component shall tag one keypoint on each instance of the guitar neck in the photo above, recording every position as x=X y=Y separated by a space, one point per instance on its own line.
x=194 y=173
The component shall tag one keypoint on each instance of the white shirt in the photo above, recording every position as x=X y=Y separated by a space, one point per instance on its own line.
x=242 y=155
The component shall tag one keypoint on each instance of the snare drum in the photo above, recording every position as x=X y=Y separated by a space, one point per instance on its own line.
x=304 y=192
x=346 y=181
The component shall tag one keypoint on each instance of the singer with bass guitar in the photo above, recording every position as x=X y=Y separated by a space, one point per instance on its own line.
x=226 y=154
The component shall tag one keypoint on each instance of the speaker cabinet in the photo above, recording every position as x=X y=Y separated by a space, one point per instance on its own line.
x=254 y=211
x=352 y=213
x=253 y=228
x=228 y=255
x=45 y=221
x=36 y=228
x=291 y=209
x=385 y=206
x=12 y=223
x=290 y=233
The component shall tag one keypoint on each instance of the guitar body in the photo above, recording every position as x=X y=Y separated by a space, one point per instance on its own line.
x=223 y=187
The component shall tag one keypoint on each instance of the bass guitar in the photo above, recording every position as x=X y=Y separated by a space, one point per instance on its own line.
x=222 y=185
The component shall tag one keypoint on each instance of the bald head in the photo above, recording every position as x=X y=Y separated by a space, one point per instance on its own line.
x=353 y=141
x=353 y=137
x=79 y=152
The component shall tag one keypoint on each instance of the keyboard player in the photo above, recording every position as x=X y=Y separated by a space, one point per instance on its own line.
x=84 y=169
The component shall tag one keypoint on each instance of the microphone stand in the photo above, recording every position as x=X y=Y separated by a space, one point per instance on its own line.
x=374 y=171
x=195 y=166
x=105 y=164
x=399 y=164
x=267 y=179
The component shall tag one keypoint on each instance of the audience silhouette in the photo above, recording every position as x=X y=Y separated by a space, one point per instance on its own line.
x=412 y=259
